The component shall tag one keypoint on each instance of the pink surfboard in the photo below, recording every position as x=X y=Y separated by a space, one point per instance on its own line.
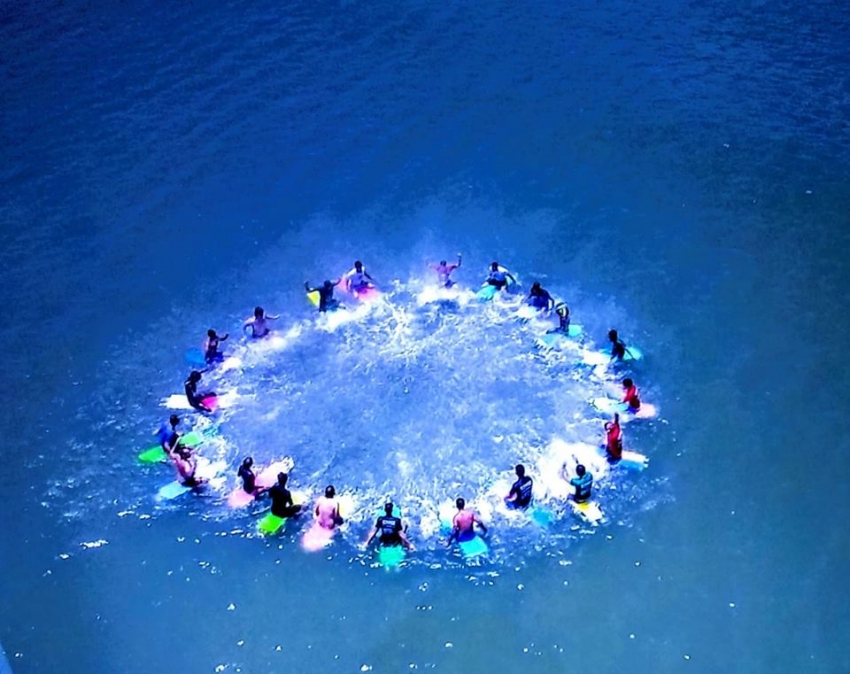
x=317 y=537
x=239 y=498
x=367 y=294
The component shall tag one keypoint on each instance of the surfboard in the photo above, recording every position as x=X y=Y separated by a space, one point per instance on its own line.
x=634 y=461
x=609 y=406
x=177 y=401
x=367 y=294
x=391 y=556
x=239 y=498
x=475 y=547
x=206 y=470
x=589 y=511
x=157 y=454
x=554 y=338
x=486 y=293
x=270 y=524
x=313 y=298
x=318 y=537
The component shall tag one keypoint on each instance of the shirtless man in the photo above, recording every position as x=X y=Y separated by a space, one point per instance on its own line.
x=186 y=466
x=444 y=271
x=327 y=509
x=257 y=323
x=463 y=523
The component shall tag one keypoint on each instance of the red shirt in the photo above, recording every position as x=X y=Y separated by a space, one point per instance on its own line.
x=615 y=440
x=631 y=397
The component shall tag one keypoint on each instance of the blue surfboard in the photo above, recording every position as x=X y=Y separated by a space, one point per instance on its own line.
x=474 y=547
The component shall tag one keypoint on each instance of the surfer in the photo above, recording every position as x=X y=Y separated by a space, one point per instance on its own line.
x=249 y=480
x=257 y=323
x=196 y=400
x=326 y=294
x=282 y=504
x=520 y=493
x=211 y=352
x=563 y=313
x=186 y=466
x=613 y=440
x=390 y=529
x=463 y=523
x=618 y=346
x=582 y=483
x=630 y=395
x=327 y=509
x=168 y=435
x=499 y=276
x=357 y=278
x=539 y=297
x=444 y=271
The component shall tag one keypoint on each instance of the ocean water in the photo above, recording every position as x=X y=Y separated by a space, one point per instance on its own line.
x=677 y=171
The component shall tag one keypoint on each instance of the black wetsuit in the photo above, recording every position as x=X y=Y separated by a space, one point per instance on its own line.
x=521 y=489
x=618 y=349
x=213 y=355
x=282 y=505
x=248 y=479
x=326 y=298
x=390 y=528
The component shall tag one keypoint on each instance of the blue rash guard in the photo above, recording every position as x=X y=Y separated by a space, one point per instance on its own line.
x=583 y=486
x=521 y=489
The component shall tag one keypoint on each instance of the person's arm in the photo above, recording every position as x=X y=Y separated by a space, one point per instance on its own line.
x=373 y=534
x=453 y=533
x=477 y=520
x=337 y=282
x=459 y=259
x=405 y=541
x=510 y=276
x=512 y=494
x=272 y=318
x=366 y=274
x=249 y=323
x=308 y=288
x=222 y=339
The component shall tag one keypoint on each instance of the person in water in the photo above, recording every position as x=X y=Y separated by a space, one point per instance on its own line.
x=463 y=523
x=357 y=278
x=326 y=294
x=327 y=509
x=520 y=493
x=211 y=352
x=257 y=323
x=186 y=466
x=390 y=529
x=196 y=400
x=282 y=503
x=539 y=297
x=499 y=276
x=613 y=440
x=444 y=271
x=618 y=346
x=168 y=435
x=582 y=483
x=249 y=480
x=630 y=395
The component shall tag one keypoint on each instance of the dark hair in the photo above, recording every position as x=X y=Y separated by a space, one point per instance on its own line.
x=520 y=470
x=628 y=383
x=258 y=312
x=612 y=335
x=194 y=375
x=580 y=470
x=327 y=283
x=535 y=285
x=460 y=503
x=330 y=492
x=174 y=420
x=442 y=263
x=494 y=266
x=388 y=507
x=358 y=263
x=211 y=333
x=282 y=478
x=247 y=462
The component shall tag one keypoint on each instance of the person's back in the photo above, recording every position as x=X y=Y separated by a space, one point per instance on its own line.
x=630 y=395
x=521 y=490
x=618 y=346
x=389 y=527
x=327 y=509
x=614 y=439
x=246 y=474
x=583 y=484
x=281 y=498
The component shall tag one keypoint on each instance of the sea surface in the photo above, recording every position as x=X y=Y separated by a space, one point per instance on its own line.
x=679 y=171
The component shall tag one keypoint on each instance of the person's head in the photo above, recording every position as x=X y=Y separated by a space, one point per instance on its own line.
x=184 y=452
x=628 y=383
x=388 y=508
x=358 y=266
x=259 y=312
x=520 y=470
x=211 y=334
x=494 y=266
x=580 y=470
x=173 y=420
x=460 y=503
x=328 y=284
x=330 y=492
x=282 y=478
x=443 y=263
x=194 y=376
x=535 y=287
x=613 y=336
x=608 y=425
x=247 y=462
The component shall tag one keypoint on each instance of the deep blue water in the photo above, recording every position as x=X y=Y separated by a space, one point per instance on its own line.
x=677 y=170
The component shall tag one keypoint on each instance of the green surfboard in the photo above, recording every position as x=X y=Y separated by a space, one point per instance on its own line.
x=157 y=454
x=270 y=524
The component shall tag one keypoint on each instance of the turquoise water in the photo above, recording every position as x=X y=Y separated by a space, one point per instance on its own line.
x=677 y=171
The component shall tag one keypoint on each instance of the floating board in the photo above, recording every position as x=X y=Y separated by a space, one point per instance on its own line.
x=239 y=498
x=474 y=547
x=177 y=401
x=313 y=297
x=540 y=515
x=554 y=338
x=589 y=511
x=391 y=556
x=157 y=454
x=367 y=294
x=318 y=537
x=270 y=524
x=486 y=293
x=195 y=357
x=205 y=470
x=629 y=460
x=609 y=406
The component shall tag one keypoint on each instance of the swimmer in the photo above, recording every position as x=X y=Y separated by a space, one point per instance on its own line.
x=613 y=440
x=249 y=480
x=618 y=346
x=211 y=352
x=582 y=482
x=257 y=323
x=539 y=297
x=630 y=395
x=563 y=313
x=326 y=294
x=282 y=504
x=327 y=509
x=186 y=466
x=168 y=435
x=463 y=523
x=444 y=271
x=520 y=493
x=196 y=400
x=499 y=276
x=390 y=529
x=357 y=278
